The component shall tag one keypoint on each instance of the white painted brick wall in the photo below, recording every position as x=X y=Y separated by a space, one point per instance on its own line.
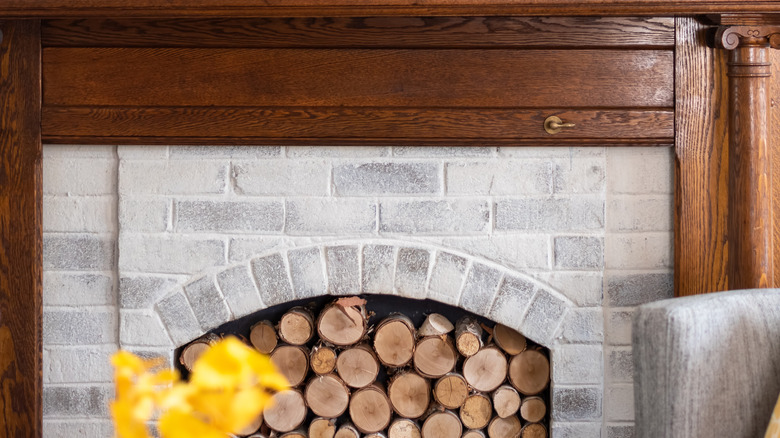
x=595 y=224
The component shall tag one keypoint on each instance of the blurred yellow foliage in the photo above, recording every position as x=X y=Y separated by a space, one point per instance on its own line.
x=230 y=385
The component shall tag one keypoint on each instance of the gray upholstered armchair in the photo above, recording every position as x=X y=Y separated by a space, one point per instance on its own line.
x=707 y=365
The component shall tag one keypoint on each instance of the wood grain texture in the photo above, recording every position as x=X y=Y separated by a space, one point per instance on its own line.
x=20 y=230
x=346 y=77
x=304 y=8
x=774 y=135
x=750 y=197
x=348 y=125
x=701 y=171
x=365 y=32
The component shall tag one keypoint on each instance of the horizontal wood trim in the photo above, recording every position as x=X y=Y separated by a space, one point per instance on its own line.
x=345 y=77
x=301 y=8
x=358 y=125
x=365 y=32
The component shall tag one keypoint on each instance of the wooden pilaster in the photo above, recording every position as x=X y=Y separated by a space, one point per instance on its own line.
x=20 y=229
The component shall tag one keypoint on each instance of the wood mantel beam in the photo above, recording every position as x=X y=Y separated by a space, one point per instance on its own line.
x=750 y=232
x=20 y=229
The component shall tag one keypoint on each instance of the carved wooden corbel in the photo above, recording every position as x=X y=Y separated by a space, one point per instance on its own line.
x=750 y=260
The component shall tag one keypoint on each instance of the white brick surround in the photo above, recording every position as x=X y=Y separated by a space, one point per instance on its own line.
x=147 y=247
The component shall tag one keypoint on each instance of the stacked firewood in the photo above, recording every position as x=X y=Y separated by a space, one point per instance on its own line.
x=395 y=380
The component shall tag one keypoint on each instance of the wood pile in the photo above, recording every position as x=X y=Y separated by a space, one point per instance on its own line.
x=393 y=379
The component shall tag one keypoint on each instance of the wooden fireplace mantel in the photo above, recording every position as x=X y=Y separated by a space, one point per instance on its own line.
x=70 y=72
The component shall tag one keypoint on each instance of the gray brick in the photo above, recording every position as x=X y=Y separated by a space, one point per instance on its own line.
x=143 y=214
x=207 y=303
x=580 y=175
x=499 y=177
x=576 y=430
x=80 y=401
x=142 y=328
x=543 y=317
x=224 y=151
x=640 y=213
x=411 y=274
x=169 y=254
x=652 y=170
x=434 y=217
x=585 y=289
x=79 y=327
x=620 y=365
x=583 y=325
x=513 y=298
x=562 y=214
x=578 y=364
x=79 y=176
x=172 y=177
x=511 y=250
x=636 y=289
x=337 y=151
x=77 y=289
x=177 y=316
x=480 y=288
x=270 y=272
x=378 y=269
x=576 y=403
x=619 y=402
x=442 y=151
x=228 y=216
x=343 y=270
x=330 y=216
x=639 y=251
x=307 y=273
x=386 y=178
x=447 y=278
x=142 y=291
x=281 y=177
x=239 y=290
x=85 y=429
x=78 y=214
x=81 y=364
x=78 y=252
x=579 y=252
x=618 y=326
x=620 y=431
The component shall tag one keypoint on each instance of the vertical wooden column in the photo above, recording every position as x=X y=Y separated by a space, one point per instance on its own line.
x=20 y=229
x=750 y=261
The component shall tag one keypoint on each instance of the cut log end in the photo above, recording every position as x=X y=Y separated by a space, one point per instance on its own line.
x=476 y=411
x=403 y=428
x=342 y=326
x=451 y=391
x=506 y=401
x=468 y=336
x=296 y=326
x=327 y=396
x=322 y=359
x=394 y=340
x=474 y=434
x=435 y=325
x=504 y=427
x=347 y=431
x=486 y=370
x=533 y=430
x=410 y=394
x=358 y=366
x=286 y=412
x=322 y=428
x=195 y=350
x=263 y=337
x=292 y=361
x=529 y=372
x=533 y=409
x=369 y=409
x=435 y=356
x=443 y=424
x=509 y=340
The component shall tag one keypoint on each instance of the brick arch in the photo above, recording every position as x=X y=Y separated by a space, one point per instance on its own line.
x=416 y=271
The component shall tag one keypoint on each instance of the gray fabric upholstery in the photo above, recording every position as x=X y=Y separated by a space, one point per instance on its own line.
x=708 y=365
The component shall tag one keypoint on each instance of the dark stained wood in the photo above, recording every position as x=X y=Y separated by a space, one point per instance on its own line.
x=305 y=8
x=341 y=125
x=20 y=230
x=701 y=170
x=344 y=77
x=774 y=135
x=365 y=32
x=750 y=198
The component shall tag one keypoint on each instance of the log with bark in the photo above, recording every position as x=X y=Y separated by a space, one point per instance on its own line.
x=358 y=366
x=529 y=372
x=286 y=412
x=435 y=325
x=343 y=322
x=486 y=370
x=369 y=409
x=506 y=401
x=292 y=361
x=394 y=340
x=435 y=356
x=468 y=336
x=327 y=396
x=409 y=393
x=263 y=337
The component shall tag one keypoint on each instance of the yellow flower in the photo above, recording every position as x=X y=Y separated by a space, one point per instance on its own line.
x=229 y=387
